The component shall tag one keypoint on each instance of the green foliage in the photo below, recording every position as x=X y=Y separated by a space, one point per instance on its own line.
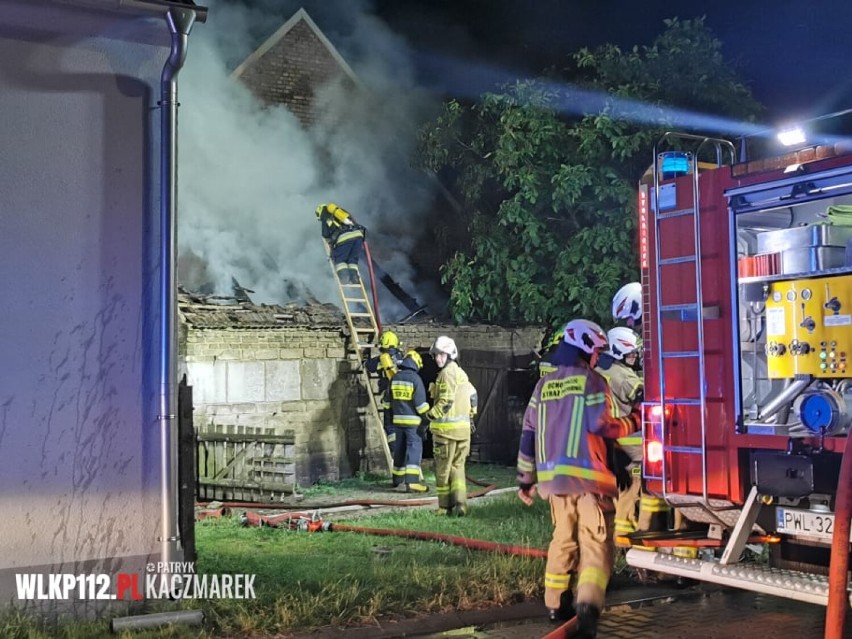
x=549 y=195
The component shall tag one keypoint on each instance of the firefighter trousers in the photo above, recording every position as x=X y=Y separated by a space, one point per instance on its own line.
x=450 y=482
x=582 y=545
x=407 y=454
x=627 y=504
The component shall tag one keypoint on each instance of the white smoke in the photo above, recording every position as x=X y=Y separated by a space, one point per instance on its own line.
x=251 y=175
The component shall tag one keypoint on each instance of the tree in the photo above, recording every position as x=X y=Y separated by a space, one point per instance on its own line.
x=549 y=194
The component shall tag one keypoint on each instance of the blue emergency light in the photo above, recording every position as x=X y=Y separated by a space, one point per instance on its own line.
x=674 y=164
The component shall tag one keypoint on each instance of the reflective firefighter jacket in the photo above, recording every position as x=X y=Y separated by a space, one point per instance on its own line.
x=626 y=387
x=337 y=232
x=454 y=403
x=562 y=445
x=406 y=397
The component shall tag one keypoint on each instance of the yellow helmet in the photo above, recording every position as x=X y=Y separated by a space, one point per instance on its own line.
x=388 y=340
x=415 y=357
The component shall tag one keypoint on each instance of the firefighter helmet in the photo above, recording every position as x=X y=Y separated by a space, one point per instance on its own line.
x=444 y=344
x=558 y=336
x=627 y=303
x=319 y=210
x=388 y=340
x=585 y=335
x=622 y=341
x=415 y=357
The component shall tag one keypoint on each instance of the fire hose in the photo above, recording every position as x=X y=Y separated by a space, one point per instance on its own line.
x=838 y=598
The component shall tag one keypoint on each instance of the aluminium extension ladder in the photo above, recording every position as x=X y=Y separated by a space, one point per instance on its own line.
x=363 y=336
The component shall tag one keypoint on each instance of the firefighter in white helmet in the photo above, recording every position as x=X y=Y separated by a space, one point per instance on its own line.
x=454 y=404
x=563 y=453
x=627 y=304
x=618 y=365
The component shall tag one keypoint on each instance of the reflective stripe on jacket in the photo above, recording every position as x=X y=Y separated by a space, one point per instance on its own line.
x=562 y=445
x=625 y=385
x=451 y=403
x=407 y=396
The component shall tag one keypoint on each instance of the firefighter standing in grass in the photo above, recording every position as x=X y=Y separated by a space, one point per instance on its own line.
x=345 y=238
x=453 y=406
x=653 y=511
x=562 y=451
x=618 y=366
x=406 y=401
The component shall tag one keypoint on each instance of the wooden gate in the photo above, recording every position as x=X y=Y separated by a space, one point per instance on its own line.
x=504 y=383
x=238 y=463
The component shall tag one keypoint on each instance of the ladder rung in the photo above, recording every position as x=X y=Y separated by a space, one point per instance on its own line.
x=350 y=286
x=355 y=299
x=688 y=450
x=684 y=402
x=360 y=315
x=669 y=214
x=676 y=260
x=680 y=354
x=678 y=307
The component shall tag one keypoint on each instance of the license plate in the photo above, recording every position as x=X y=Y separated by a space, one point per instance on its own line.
x=804 y=523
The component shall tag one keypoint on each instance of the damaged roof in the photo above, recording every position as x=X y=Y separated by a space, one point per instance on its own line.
x=216 y=312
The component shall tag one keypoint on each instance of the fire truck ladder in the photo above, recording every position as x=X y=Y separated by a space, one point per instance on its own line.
x=364 y=334
x=688 y=312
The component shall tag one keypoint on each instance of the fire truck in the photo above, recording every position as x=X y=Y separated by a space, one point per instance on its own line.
x=746 y=272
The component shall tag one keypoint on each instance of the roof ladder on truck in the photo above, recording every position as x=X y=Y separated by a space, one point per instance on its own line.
x=689 y=312
x=364 y=331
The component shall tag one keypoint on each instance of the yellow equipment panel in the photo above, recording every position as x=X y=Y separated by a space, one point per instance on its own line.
x=809 y=327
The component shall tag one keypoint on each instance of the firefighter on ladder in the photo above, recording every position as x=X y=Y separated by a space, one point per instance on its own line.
x=345 y=238
x=454 y=404
x=618 y=366
x=406 y=402
x=563 y=452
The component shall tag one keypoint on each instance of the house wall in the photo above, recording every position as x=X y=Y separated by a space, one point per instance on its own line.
x=79 y=450
x=300 y=379
x=293 y=70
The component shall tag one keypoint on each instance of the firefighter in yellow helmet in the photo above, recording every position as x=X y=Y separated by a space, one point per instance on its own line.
x=406 y=401
x=385 y=365
x=454 y=404
x=345 y=238
x=544 y=365
x=562 y=453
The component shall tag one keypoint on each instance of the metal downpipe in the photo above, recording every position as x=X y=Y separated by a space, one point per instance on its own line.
x=180 y=21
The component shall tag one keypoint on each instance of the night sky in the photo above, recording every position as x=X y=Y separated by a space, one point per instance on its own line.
x=795 y=55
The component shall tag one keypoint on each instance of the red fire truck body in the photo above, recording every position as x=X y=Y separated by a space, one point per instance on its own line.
x=747 y=323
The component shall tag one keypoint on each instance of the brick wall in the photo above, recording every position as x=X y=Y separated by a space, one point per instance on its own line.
x=292 y=71
x=301 y=380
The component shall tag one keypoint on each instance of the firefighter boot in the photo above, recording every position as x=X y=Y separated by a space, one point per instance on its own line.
x=565 y=611
x=418 y=488
x=458 y=510
x=587 y=621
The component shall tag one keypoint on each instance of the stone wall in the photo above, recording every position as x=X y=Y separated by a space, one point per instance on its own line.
x=302 y=379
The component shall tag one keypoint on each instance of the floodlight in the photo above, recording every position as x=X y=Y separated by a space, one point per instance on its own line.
x=791 y=136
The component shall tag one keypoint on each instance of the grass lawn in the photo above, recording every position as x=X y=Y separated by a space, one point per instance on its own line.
x=310 y=580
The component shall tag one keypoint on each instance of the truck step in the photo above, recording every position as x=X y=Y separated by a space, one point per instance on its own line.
x=800 y=586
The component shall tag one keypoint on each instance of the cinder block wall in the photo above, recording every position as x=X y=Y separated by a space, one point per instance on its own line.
x=300 y=379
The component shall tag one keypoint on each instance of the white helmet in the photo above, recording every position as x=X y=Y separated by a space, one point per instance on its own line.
x=627 y=303
x=585 y=335
x=622 y=341
x=446 y=345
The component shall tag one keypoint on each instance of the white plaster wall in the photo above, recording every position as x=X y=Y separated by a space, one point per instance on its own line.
x=78 y=235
